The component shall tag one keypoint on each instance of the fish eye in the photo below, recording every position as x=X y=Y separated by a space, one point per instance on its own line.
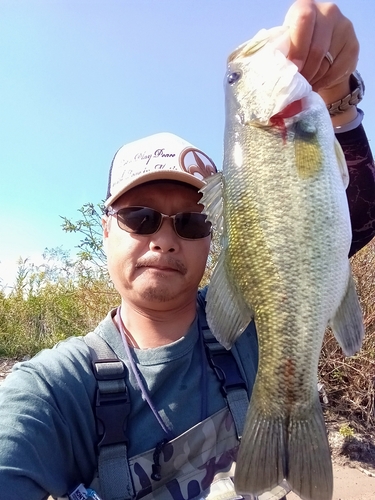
x=234 y=77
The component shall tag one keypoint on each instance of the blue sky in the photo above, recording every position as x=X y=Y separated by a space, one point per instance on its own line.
x=79 y=78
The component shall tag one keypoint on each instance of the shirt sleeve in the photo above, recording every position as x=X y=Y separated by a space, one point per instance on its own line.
x=47 y=427
x=361 y=189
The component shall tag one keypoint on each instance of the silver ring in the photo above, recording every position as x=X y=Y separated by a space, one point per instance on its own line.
x=329 y=57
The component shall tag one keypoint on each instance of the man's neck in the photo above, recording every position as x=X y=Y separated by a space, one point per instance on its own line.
x=147 y=328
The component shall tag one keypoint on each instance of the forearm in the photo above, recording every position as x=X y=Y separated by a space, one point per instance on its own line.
x=347 y=121
x=361 y=189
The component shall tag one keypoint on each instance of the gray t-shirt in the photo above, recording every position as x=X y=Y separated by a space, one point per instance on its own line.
x=47 y=425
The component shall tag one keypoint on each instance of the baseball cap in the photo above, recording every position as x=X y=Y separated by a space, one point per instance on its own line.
x=161 y=156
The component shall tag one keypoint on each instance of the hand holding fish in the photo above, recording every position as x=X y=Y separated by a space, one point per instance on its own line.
x=325 y=49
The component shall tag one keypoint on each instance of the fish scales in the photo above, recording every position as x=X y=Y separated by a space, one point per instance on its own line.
x=285 y=235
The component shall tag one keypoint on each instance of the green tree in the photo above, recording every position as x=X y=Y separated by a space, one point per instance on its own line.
x=90 y=228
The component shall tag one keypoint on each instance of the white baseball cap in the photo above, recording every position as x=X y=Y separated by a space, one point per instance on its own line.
x=157 y=157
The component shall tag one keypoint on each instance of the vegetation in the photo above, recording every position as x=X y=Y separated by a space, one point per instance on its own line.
x=68 y=296
x=53 y=301
x=350 y=382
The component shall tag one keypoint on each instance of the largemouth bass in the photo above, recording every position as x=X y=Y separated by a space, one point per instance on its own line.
x=281 y=208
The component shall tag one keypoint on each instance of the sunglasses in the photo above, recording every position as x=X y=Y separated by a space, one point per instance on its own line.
x=144 y=220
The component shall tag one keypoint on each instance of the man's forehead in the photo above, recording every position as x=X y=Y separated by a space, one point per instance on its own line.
x=156 y=188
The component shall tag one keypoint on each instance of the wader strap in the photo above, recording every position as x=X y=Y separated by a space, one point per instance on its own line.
x=233 y=385
x=112 y=407
x=223 y=362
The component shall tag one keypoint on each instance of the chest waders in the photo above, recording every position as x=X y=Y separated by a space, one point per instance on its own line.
x=196 y=465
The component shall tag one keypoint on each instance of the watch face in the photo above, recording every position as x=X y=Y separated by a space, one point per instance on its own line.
x=357 y=82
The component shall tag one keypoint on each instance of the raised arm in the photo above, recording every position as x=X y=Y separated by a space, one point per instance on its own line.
x=325 y=48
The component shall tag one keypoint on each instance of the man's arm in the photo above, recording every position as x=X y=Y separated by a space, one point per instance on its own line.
x=47 y=429
x=361 y=189
x=325 y=48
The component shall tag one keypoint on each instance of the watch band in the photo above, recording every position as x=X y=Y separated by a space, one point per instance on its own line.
x=357 y=87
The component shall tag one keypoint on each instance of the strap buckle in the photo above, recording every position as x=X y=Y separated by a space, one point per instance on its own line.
x=224 y=365
x=112 y=405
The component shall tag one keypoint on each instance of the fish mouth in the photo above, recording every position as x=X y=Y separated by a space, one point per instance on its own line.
x=292 y=109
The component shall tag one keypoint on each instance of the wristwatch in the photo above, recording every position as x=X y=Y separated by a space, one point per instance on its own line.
x=357 y=87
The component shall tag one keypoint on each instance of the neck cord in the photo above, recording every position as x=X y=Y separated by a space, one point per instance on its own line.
x=142 y=387
x=138 y=376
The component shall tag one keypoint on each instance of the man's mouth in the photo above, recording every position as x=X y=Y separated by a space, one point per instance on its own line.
x=167 y=265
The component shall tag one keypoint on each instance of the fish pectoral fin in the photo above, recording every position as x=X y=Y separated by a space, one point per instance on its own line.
x=343 y=166
x=212 y=200
x=227 y=313
x=279 y=447
x=347 y=324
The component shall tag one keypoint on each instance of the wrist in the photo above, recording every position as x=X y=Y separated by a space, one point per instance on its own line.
x=351 y=125
x=335 y=93
x=342 y=99
x=346 y=117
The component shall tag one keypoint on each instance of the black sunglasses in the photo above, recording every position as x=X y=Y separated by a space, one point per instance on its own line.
x=144 y=220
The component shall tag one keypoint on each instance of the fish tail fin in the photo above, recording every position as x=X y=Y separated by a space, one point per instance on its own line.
x=309 y=459
x=347 y=324
x=274 y=449
x=262 y=457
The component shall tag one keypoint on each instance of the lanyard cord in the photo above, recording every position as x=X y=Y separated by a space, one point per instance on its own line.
x=156 y=468
x=145 y=394
x=138 y=376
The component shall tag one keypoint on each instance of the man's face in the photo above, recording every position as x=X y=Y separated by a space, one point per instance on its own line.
x=159 y=270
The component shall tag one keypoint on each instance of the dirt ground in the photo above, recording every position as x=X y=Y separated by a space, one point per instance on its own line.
x=353 y=458
x=353 y=464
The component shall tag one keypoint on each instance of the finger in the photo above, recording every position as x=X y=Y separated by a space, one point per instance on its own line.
x=300 y=18
x=340 y=70
x=344 y=49
x=328 y=18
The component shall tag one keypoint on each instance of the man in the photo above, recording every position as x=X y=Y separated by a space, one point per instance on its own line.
x=180 y=431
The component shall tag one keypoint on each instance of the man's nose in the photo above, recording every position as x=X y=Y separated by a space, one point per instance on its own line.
x=165 y=239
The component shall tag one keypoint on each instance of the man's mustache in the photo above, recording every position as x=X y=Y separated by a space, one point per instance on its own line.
x=166 y=262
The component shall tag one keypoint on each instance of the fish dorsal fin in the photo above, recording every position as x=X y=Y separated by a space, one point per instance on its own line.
x=212 y=200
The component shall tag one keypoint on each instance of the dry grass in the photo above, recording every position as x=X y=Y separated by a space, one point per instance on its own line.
x=57 y=309
x=350 y=382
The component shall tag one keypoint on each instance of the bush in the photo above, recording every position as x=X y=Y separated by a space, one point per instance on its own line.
x=51 y=302
x=350 y=382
